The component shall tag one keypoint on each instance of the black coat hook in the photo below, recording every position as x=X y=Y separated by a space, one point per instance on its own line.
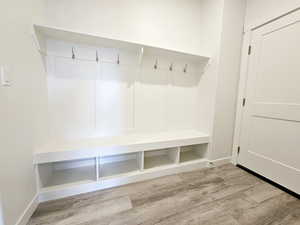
x=118 y=60
x=185 y=68
x=73 y=54
x=155 y=65
x=97 y=57
x=171 y=67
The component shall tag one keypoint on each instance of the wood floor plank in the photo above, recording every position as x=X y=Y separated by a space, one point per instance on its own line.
x=224 y=195
x=273 y=209
x=86 y=199
x=201 y=186
x=76 y=215
x=262 y=192
x=154 y=211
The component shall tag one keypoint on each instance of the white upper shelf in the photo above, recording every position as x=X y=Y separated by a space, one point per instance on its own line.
x=108 y=146
x=43 y=32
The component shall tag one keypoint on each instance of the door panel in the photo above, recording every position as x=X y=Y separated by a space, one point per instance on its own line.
x=277 y=111
x=270 y=138
x=285 y=145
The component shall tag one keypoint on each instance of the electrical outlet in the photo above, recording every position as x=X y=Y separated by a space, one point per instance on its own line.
x=4 y=76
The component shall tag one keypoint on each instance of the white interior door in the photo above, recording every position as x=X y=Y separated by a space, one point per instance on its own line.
x=270 y=138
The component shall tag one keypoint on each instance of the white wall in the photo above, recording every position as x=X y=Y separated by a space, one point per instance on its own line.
x=259 y=12
x=228 y=77
x=20 y=106
x=186 y=25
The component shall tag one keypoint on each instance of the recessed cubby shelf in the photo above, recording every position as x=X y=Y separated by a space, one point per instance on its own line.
x=161 y=157
x=119 y=164
x=192 y=152
x=67 y=172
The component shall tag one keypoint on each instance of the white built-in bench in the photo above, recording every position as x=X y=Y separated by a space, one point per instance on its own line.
x=68 y=168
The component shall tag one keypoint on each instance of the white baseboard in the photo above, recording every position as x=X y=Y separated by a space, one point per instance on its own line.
x=24 y=218
x=221 y=161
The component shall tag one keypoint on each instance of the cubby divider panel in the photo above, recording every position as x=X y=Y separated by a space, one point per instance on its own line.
x=193 y=152
x=120 y=164
x=67 y=172
x=162 y=157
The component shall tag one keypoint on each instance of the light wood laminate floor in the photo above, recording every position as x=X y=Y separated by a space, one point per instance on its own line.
x=224 y=195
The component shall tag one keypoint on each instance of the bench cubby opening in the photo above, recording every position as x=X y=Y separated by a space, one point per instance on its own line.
x=120 y=164
x=162 y=157
x=193 y=152
x=67 y=172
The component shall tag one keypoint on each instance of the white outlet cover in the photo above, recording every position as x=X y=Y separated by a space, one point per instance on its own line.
x=4 y=76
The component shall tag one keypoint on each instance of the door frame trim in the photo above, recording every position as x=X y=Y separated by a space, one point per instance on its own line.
x=241 y=95
x=264 y=22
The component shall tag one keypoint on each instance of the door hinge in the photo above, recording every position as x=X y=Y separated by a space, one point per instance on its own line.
x=249 y=50
x=244 y=102
x=238 y=150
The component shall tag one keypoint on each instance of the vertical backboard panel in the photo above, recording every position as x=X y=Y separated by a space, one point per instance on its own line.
x=151 y=96
x=115 y=98
x=71 y=97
